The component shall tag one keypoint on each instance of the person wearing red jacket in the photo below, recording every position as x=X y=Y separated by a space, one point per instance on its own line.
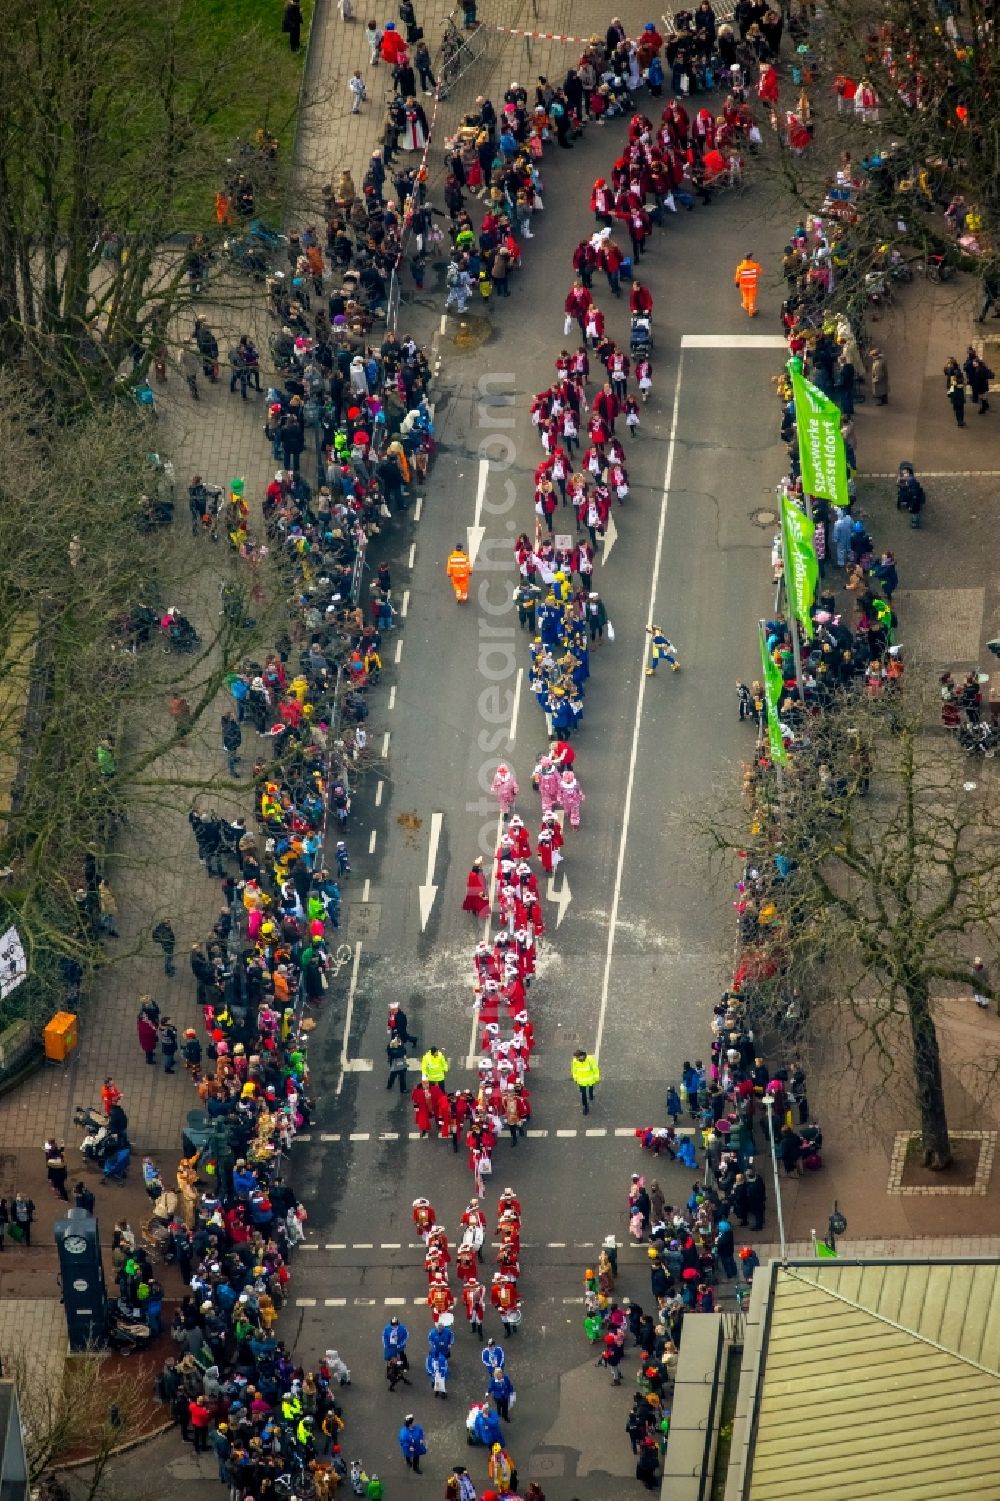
x=606 y=406
x=584 y=262
x=611 y=259
x=640 y=300
x=577 y=304
x=639 y=227
x=440 y=1299
x=593 y=325
x=618 y=368
x=474 y=1298
x=148 y=1037
x=425 y=1099
x=601 y=201
x=503 y=1296
x=423 y=1217
x=200 y=1418
x=393 y=47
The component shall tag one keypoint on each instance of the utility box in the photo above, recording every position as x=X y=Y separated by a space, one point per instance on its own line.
x=60 y=1036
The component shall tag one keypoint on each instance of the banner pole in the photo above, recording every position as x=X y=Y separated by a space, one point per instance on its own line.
x=793 y=624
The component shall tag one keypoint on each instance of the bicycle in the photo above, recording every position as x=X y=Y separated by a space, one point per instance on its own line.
x=452 y=46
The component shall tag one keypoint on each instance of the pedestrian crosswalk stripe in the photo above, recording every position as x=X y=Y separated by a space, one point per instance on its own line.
x=536 y=1133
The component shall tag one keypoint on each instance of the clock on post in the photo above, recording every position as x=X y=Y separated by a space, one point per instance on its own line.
x=85 y=1297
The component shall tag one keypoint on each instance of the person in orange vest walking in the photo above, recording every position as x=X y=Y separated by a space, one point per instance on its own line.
x=459 y=570
x=747 y=279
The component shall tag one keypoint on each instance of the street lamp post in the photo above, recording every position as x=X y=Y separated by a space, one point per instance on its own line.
x=768 y=1102
x=836 y=1225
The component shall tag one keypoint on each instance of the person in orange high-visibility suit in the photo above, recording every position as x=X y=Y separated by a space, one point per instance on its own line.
x=459 y=570
x=747 y=278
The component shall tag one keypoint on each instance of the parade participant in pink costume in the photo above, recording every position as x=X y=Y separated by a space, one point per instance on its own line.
x=571 y=797
x=504 y=788
x=547 y=780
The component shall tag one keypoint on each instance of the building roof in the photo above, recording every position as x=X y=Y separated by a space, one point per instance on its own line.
x=879 y=1380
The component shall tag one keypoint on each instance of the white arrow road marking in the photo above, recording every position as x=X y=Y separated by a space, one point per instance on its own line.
x=610 y=537
x=512 y=734
x=348 y=1017
x=562 y=897
x=429 y=891
x=476 y=532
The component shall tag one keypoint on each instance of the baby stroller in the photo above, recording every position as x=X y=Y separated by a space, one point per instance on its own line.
x=640 y=340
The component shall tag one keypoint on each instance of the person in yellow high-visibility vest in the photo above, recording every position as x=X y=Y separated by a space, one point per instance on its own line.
x=747 y=278
x=585 y=1073
x=459 y=570
x=434 y=1066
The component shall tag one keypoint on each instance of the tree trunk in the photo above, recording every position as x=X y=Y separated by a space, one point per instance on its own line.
x=927 y=1077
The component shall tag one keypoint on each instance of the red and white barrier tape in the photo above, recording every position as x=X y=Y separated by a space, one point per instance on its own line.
x=544 y=36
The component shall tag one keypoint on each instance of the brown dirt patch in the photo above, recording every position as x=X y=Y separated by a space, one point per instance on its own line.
x=960 y=1174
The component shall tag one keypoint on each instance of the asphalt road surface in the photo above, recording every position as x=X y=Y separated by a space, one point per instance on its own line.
x=642 y=946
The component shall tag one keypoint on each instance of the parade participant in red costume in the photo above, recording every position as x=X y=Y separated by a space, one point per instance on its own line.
x=426 y=1100
x=477 y=899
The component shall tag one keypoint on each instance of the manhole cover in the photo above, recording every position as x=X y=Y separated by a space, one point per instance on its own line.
x=363 y=919
x=546 y=1464
x=763 y=517
x=471 y=332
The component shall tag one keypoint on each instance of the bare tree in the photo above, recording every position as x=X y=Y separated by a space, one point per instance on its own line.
x=84 y=580
x=935 y=69
x=74 y=1409
x=875 y=874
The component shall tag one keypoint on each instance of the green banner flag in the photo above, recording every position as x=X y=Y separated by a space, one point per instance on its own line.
x=822 y=454
x=801 y=567
x=823 y=1252
x=773 y=685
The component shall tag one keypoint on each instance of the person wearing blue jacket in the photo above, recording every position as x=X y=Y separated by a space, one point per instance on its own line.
x=436 y=1366
x=411 y=1443
x=394 y=1337
x=493 y=1356
x=487 y=1428
x=440 y=1340
x=501 y=1389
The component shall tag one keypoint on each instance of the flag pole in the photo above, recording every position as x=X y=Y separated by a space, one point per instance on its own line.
x=790 y=618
